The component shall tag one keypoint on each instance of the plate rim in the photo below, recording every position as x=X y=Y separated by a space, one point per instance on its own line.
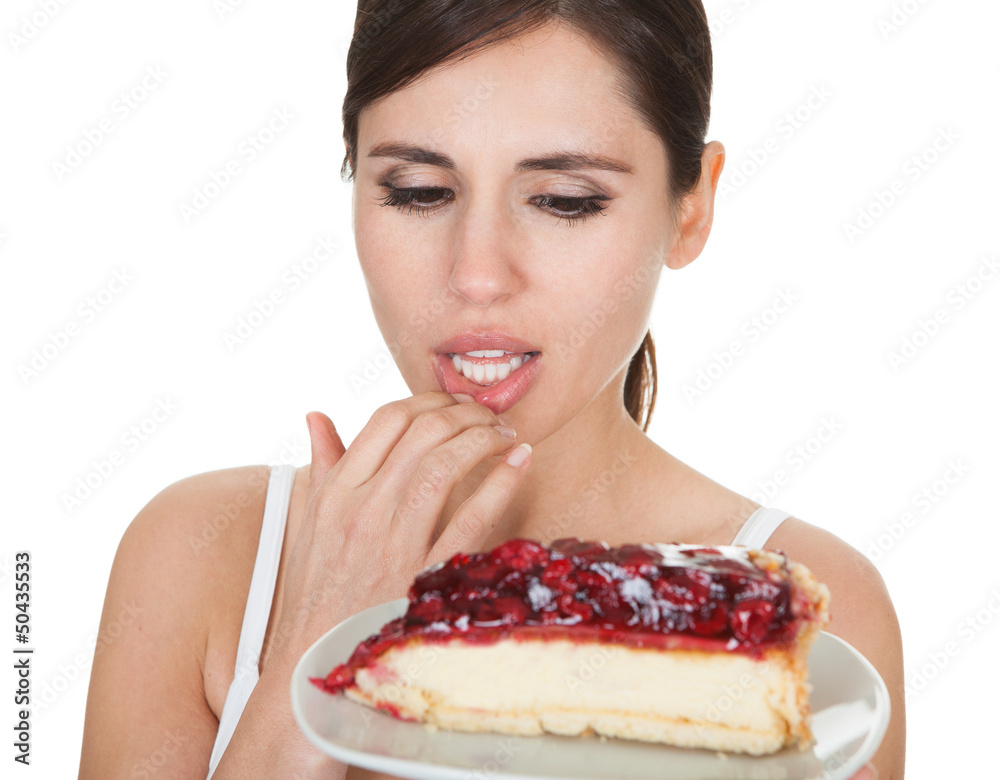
x=867 y=749
x=883 y=706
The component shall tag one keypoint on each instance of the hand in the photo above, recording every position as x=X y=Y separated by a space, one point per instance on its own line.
x=867 y=772
x=372 y=509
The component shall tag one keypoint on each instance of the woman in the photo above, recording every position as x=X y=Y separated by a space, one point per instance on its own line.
x=519 y=171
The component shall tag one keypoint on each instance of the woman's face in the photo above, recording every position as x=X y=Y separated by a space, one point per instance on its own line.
x=514 y=193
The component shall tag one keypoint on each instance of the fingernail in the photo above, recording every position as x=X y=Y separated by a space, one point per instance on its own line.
x=463 y=398
x=517 y=456
x=510 y=433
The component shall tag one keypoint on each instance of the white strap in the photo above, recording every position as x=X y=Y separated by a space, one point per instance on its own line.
x=759 y=527
x=258 y=609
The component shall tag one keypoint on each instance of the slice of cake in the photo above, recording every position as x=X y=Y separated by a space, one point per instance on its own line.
x=689 y=646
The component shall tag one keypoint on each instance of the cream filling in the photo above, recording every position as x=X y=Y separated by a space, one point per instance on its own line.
x=725 y=701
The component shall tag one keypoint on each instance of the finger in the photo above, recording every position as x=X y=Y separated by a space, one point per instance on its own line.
x=433 y=429
x=476 y=519
x=327 y=447
x=381 y=434
x=425 y=490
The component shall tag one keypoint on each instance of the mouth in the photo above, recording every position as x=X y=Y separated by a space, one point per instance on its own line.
x=496 y=379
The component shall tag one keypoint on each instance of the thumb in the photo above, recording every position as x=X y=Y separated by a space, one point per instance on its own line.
x=327 y=448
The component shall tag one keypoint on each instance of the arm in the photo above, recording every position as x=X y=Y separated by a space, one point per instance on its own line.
x=146 y=706
x=862 y=615
x=165 y=612
x=267 y=742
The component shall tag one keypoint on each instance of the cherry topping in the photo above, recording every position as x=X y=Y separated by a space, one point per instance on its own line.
x=573 y=547
x=512 y=609
x=427 y=611
x=485 y=611
x=484 y=572
x=557 y=575
x=687 y=589
x=647 y=595
x=339 y=677
x=513 y=581
x=752 y=620
x=711 y=619
x=636 y=558
x=520 y=554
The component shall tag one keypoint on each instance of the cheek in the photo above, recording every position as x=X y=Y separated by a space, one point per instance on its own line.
x=601 y=310
x=386 y=262
x=407 y=302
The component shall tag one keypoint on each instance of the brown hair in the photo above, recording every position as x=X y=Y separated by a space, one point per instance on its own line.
x=662 y=47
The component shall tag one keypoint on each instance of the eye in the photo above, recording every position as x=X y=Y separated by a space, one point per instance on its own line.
x=424 y=200
x=419 y=199
x=572 y=209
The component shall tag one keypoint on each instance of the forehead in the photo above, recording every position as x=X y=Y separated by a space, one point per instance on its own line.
x=551 y=87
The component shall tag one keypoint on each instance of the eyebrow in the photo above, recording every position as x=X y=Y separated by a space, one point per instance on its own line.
x=560 y=161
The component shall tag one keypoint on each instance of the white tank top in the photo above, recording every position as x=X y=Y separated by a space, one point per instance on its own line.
x=258 y=609
x=754 y=533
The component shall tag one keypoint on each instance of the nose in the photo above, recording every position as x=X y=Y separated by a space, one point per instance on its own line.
x=484 y=263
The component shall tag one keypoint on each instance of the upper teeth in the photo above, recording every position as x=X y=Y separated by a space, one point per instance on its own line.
x=488 y=373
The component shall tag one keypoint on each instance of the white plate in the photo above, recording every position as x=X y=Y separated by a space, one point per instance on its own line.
x=850 y=714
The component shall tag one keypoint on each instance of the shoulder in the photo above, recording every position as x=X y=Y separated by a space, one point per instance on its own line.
x=843 y=568
x=175 y=596
x=861 y=609
x=197 y=537
x=861 y=612
x=198 y=520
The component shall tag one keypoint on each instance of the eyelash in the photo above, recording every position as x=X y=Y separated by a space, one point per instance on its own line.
x=405 y=199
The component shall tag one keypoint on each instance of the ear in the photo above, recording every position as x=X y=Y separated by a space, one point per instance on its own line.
x=697 y=209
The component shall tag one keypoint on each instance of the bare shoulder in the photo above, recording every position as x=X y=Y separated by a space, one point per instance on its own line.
x=864 y=605
x=185 y=559
x=862 y=614
x=200 y=509
x=196 y=533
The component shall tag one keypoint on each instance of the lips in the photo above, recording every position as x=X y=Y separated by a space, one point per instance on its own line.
x=470 y=342
x=498 y=397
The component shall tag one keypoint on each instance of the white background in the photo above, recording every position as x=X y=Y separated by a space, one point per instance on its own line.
x=892 y=91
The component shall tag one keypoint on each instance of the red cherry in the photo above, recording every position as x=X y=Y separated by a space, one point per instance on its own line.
x=573 y=547
x=512 y=610
x=513 y=581
x=520 y=554
x=637 y=558
x=557 y=575
x=688 y=589
x=341 y=677
x=435 y=581
x=570 y=607
x=752 y=620
x=484 y=611
x=591 y=580
x=428 y=611
x=484 y=573
x=710 y=619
